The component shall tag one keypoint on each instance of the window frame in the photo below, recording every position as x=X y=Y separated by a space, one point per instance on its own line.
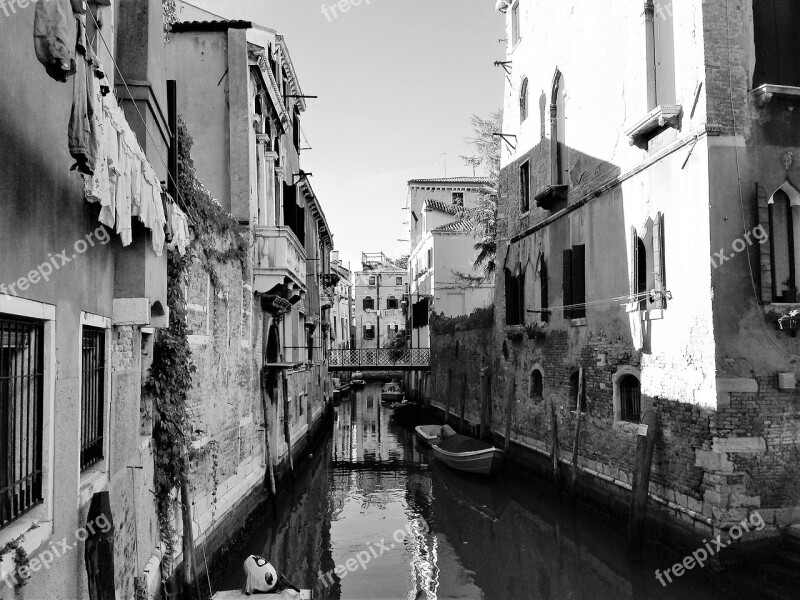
x=42 y=513
x=102 y=326
x=525 y=186
x=523 y=101
x=515 y=24
x=616 y=380
x=371 y=302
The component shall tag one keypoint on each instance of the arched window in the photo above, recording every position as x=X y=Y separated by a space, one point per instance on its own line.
x=515 y=297
x=523 y=101
x=369 y=303
x=630 y=396
x=392 y=303
x=537 y=385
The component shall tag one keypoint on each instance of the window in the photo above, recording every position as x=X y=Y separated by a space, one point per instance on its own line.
x=458 y=198
x=392 y=303
x=21 y=415
x=574 y=382
x=660 y=45
x=524 y=187
x=398 y=281
x=630 y=399
x=523 y=101
x=776 y=23
x=574 y=282
x=296 y=129
x=430 y=258
x=93 y=375
x=515 y=23
x=536 y=290
x=310 y=344
x=783 y=249
x=369 y=331
x=537 y=385
x=369 y=303
x=515 y=297
x=392 y=330
x=419 y=313
x=372 y=280
x=647 y=266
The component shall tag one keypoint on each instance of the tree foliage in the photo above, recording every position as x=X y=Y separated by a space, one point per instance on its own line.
x=483 y=217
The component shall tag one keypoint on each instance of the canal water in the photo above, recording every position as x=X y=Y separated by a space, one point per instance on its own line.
x=374 y=517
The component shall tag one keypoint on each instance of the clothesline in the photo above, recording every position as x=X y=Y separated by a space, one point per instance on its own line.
x=621 y=300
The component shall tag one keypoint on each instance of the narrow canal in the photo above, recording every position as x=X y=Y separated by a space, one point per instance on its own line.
x=401 y=526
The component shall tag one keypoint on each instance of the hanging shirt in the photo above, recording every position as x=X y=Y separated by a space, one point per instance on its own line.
x=97 y=187
x=54 y=38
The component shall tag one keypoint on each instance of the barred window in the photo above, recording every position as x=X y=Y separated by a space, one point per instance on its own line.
x=21 y=407
x=93 y=378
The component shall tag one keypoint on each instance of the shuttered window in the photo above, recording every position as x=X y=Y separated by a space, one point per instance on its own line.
x=523 y=101
x=515 y=298
x=664 y=53
x=524 y=187
x=574 y=282
x=777 y=40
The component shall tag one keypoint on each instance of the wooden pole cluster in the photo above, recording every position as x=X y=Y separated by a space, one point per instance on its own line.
x=510 y=406
x=554 y=453
x=645 y=444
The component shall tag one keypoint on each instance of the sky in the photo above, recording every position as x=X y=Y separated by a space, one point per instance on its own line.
x=398 y=81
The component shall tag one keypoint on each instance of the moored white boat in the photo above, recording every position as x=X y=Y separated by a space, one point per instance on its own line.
x=429 y=435
x=392 y=392
x=468 y=455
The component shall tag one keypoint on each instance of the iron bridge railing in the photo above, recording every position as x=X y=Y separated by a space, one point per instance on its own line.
x=380 y=357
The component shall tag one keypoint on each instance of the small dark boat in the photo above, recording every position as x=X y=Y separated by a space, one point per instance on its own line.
x=405 y=413
x=468 y=454
x=340 y=388
x=284 y=595
x=392 y=392
x=358 y=380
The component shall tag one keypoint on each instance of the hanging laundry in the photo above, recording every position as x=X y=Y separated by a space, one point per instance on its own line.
x=177 y=221
x=54 y=38
x=112 y=131
x=97 y=187
x=82 y=132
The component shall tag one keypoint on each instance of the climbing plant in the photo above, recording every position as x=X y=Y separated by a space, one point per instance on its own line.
x=170 y=17
x=219 y=237
x=216 y=238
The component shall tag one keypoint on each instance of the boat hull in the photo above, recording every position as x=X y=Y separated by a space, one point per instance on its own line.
x=480 y=462
x=285 y=595
x=391 y=396
x=428 y=438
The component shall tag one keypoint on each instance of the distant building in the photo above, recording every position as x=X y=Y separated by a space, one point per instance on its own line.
x=442 y=277
x=341 y=314
x=379 y=292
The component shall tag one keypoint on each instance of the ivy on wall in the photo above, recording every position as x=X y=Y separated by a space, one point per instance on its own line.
x=216 y=238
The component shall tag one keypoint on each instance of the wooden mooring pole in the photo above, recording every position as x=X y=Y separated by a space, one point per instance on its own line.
x=578 y=403
x=287 y=434
x=484 y=399
x=510 y=405
x=645 y=443
x=449 y=393
x=463 y=402
x=554 y=452
x=266 y=405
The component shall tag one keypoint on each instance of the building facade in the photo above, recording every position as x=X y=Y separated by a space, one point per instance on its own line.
x=248 y=135
x=84 y=288
x=379 y=290
x=342 y=310
x=442 y=277
x=645 y=240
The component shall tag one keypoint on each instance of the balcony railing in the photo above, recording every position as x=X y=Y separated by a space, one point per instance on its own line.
x=280 y=260
x=366 y=358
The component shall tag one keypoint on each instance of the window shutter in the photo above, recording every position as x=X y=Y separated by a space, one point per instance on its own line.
x=665 y=52
x=567 y=283
x=579 y=280
x=521 y=302
x=764 y=221
x=658 y=262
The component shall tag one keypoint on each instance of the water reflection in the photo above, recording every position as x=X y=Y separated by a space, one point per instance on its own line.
x=422 y=531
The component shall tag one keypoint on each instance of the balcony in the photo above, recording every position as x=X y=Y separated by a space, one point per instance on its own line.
x=280 y=267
